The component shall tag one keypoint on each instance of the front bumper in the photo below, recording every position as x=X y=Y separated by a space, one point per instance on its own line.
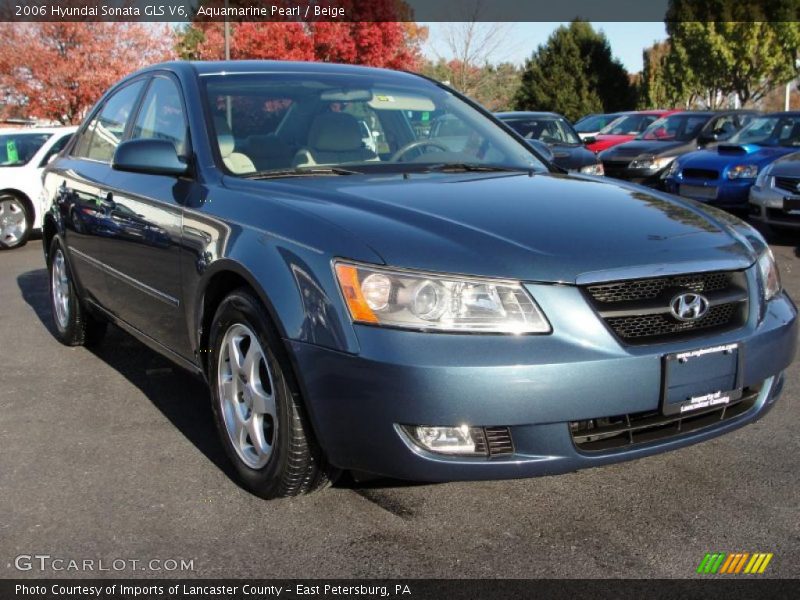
x=535 y=385
x=727 y=193
x=766 y=205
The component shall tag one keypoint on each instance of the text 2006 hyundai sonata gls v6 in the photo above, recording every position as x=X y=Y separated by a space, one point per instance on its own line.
x=361 y=296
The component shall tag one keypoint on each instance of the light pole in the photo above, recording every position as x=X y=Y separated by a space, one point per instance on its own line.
x=227 y=34
x=788 y=94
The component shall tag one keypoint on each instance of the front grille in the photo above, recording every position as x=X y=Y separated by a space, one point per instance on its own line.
x=788 y=184
x=700 y=173
x=649 y=289
x=621 y=431
x=638 y=310
x=641 y=326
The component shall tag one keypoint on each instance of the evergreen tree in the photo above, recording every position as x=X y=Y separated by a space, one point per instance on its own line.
x=574 y=73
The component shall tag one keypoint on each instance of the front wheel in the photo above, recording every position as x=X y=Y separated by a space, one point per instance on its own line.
x=258 y=413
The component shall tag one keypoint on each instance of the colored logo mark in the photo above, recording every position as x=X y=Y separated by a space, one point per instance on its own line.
x=734 y=563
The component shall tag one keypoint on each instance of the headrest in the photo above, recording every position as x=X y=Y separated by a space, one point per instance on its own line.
x=224 y=137
x=335 y=132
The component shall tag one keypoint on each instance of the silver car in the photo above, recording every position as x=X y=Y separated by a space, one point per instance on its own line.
x=775 y=196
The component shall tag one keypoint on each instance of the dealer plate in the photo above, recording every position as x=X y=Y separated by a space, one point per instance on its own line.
x=701 y=379
x=790 y=203
x=698 y=191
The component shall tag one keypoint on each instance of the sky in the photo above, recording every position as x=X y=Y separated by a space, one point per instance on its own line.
x=627 y=40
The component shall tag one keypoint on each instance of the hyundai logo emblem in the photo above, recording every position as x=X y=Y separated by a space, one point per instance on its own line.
x=689 y=306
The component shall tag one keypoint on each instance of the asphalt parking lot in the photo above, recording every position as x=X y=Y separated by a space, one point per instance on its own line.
x=112 y=454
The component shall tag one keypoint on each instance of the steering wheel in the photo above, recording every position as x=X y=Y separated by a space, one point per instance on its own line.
x=414 y=145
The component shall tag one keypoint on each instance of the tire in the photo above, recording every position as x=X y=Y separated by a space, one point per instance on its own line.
x=259 y=413
x=74 y=326
x=783 y=230
x=16 y=221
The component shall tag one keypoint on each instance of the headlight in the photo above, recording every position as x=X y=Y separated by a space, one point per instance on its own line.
x=764 y=180
x=651 y=164
x=674 y=169
x=743 y=172
x=593 y=169
x=770 y=278
x=422 y=301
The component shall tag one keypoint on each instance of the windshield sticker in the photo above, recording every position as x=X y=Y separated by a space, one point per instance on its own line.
x=11 y=151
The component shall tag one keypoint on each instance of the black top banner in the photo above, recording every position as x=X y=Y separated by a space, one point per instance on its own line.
x=399 y=10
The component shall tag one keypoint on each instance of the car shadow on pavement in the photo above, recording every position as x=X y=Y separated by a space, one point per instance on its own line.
x=180 y=396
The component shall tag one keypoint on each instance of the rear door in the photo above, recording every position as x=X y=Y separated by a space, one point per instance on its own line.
x=77 y=187
x=142 y=250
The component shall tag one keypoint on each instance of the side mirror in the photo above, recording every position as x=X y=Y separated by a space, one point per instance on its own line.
x=155 y=157
x=542 y=149
x=589 y=139
x=708 y=138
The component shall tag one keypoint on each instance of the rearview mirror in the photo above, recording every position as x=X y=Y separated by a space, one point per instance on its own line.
x=708 y=138
x=589 y=139
x=155 y=157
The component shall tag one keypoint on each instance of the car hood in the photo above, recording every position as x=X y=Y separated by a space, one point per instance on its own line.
x=788 y=166
x=572 y=158
x=727 y=154
x=636 y=148
x=542 y=227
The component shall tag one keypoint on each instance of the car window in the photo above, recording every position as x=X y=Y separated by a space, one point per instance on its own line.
x=104 y=133
x=593 y=123
x=56 y=148
x=679 y=127
x=17 y=149
x=161 y=116
x=544 y=129
x=770 y=131
x=278 y=121
x=724 y=127
x=628 y=125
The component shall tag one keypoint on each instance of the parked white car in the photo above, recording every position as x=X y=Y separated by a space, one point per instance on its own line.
x=23 y=155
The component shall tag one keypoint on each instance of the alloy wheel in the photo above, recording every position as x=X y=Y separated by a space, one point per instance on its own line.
x=60 y=289
x=13 y=222
x=247 y=396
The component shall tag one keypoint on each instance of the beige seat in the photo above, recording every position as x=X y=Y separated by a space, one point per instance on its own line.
x=236 y=162
x=334 y=138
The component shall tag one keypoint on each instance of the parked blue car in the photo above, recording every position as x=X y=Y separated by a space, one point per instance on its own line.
x=409 y=306
x=723 y=175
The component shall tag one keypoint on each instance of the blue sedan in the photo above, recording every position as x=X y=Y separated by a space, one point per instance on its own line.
x=724 y=174
x=361 y=295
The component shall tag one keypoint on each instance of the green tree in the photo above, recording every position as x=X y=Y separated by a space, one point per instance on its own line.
x=666 y=81
x=574 y=73
x=737 y=48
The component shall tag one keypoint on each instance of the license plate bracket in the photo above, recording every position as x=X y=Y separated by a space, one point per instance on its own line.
x=790 y=203
x=701 y=379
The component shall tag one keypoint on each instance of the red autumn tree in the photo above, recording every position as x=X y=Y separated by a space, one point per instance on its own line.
x=57 y=71
x=378 y=34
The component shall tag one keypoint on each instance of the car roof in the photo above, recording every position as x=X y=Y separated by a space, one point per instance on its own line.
x=205 y=68
x=6 y=130
x=784 y=113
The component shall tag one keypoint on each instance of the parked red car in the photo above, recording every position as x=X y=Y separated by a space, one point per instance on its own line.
x=624 y=128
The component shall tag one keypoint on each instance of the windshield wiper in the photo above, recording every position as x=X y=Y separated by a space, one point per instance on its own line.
x=454 y=167
x=301 y=172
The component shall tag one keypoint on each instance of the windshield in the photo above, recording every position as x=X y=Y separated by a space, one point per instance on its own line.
x=628 y=125
x=680 y=128
x=550 y=130
x=770 y=131
x=593 y=123
x=344 y=123
x=17 y=149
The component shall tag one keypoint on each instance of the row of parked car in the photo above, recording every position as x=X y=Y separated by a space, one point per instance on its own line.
x=740 y=160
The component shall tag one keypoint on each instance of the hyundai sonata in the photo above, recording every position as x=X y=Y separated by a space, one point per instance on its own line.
x=408 y=308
